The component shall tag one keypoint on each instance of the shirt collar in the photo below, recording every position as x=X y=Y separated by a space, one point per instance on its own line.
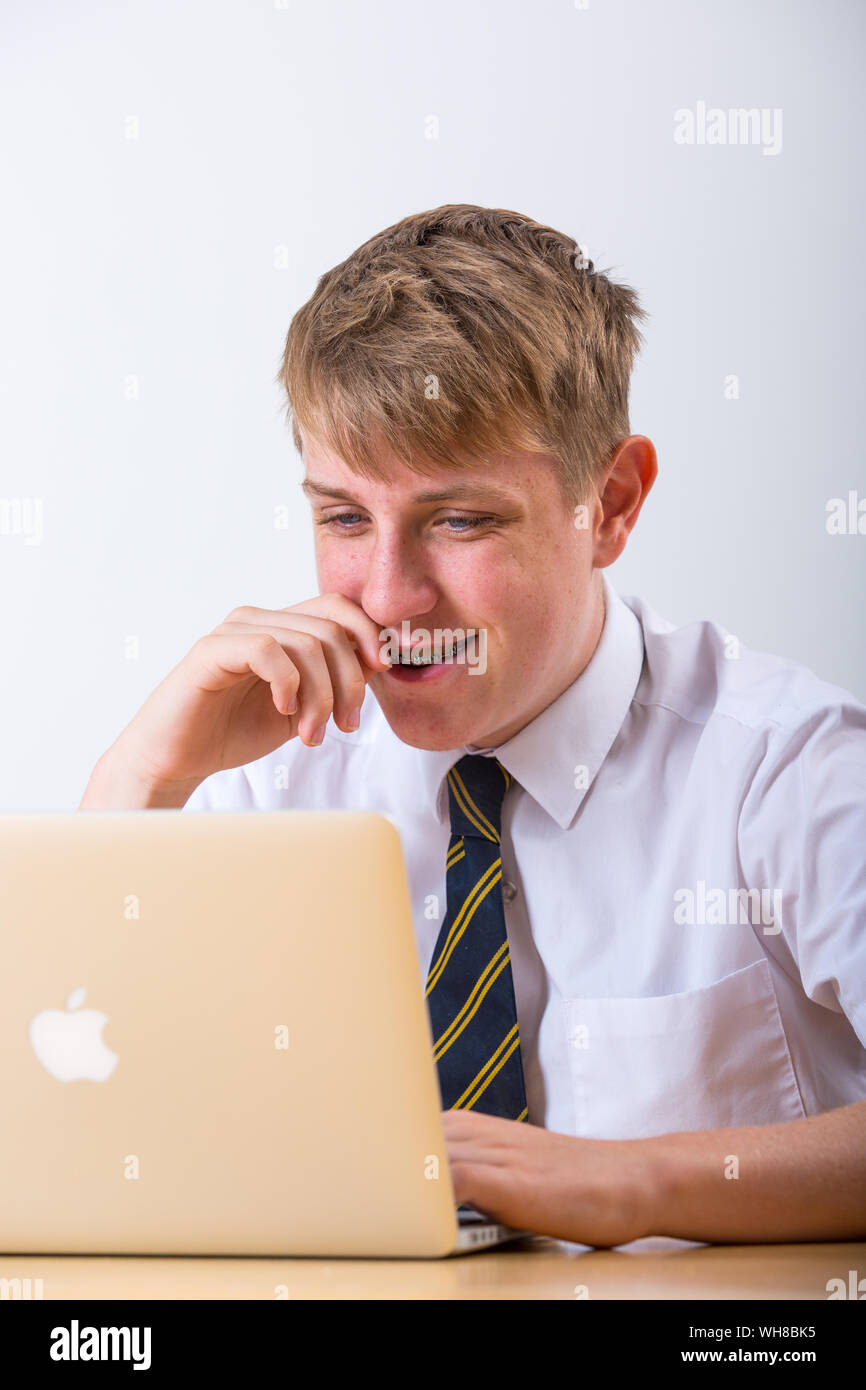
x=556 y=756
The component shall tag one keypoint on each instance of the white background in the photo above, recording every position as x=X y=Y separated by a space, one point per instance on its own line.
x=304 y=128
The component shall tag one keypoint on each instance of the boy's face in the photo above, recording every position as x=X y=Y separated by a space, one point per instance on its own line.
x=496 y=553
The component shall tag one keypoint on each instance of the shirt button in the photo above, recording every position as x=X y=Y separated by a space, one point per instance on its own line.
x=509 y=892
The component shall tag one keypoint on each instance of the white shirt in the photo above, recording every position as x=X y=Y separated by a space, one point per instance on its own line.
x=671 y=774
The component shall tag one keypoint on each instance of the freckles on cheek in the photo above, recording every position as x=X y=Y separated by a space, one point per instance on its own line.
x=338 y=573
x=530 y=618
x=510 y=599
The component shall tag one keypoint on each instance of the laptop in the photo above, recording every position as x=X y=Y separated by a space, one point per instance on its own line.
x=214 y=1040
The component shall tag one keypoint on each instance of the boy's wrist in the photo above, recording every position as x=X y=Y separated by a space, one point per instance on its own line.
x=114 y=785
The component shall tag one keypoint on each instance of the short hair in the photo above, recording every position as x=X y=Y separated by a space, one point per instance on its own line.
x=458 y=333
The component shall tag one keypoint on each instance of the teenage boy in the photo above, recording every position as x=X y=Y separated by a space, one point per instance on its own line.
x=635 y=851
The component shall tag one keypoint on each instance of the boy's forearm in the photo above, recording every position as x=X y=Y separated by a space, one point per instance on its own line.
x=113 y=787
x=805 y=1180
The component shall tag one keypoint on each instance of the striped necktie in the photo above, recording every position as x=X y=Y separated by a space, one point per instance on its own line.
x=470 y=992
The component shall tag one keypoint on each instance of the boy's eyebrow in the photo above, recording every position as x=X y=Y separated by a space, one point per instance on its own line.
x=480 y=491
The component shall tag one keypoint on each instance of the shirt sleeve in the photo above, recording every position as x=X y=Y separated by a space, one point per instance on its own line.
x=803 y=832
x=229 y=790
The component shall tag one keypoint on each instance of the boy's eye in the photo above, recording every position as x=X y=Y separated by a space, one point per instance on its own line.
x=343 y=521
x=339 y=517
x=469 y=523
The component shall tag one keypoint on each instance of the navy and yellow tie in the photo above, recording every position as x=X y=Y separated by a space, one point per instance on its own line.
x=470 y=991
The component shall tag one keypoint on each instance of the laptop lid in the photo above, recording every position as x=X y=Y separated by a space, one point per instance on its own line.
x=213 y=1038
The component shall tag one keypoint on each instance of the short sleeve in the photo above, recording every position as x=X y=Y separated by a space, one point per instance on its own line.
x=803 y=831
x=228 y=790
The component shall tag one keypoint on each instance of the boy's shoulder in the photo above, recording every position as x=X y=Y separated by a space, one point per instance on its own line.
x=701 y=672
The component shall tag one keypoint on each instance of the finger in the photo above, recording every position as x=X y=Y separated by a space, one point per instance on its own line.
x=495 y=1143
x=355 y=621
x=227 y=656
x=315 y=692
x=346 y=673
x=462 y=1122
x=474 y=1184
x=311 y=685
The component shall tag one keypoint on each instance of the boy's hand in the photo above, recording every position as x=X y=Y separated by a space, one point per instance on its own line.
x=258 y=679
x=590 y=1191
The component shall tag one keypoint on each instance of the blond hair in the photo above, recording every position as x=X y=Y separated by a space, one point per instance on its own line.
x=461 y=332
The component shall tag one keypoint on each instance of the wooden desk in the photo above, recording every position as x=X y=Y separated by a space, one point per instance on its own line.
x=529 y=1269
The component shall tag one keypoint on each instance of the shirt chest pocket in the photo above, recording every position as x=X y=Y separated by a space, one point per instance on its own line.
x=703 y=1059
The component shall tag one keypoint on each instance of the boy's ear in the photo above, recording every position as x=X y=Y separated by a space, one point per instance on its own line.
x=623 y=490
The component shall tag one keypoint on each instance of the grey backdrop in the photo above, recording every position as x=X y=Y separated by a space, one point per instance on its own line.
x=177 y=175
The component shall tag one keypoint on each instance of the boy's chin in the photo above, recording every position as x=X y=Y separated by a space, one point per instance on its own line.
x=421 y=733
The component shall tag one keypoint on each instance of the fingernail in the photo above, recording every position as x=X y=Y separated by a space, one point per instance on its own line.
x=319 y=734
x=354 y=719
x=292 y=706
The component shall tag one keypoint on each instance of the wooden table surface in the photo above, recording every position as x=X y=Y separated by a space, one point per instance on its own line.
x=535 y=1268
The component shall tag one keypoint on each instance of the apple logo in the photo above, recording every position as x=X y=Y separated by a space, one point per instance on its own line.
x=69 y=1045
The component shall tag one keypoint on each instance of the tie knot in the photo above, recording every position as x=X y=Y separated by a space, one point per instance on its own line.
x=476 y=786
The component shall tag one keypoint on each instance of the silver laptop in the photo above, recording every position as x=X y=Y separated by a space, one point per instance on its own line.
x=214 y=1041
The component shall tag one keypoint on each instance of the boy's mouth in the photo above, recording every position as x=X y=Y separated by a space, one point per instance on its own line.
x=420 y=657
x=411 y=666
